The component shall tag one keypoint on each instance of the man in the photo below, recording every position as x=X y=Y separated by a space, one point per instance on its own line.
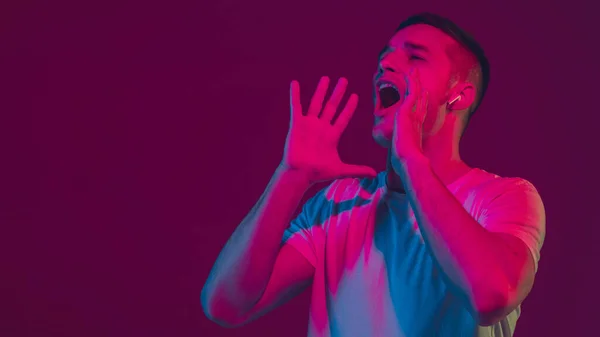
x=430 y=247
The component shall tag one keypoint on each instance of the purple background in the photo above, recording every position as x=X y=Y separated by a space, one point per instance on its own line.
x=135 y=136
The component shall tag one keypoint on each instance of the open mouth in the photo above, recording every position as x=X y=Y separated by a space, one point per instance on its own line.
x=388 y=94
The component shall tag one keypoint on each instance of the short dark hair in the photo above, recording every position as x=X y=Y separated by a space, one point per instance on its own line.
x=463 y=38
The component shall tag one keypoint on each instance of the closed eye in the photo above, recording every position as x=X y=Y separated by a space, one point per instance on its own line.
x=416 y=57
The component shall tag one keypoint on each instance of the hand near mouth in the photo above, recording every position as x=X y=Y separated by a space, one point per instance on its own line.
x=313 y=137
x=407 y=142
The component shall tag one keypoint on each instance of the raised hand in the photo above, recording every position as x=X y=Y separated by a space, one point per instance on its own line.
x=407 y=142
x=313 y=137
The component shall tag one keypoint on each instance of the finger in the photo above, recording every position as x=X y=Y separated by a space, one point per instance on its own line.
x=416 y=89
x=316 y=102
x=412 y=92
x=355 y=171
x=332 y=105
x=295 y=105
x=422 y=112
x=342 y=121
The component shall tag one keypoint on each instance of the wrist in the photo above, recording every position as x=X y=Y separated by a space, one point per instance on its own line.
x=417 y=159
x=294 y=176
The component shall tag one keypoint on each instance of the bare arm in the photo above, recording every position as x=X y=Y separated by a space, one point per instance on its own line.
x=252 y=274
x=494 y=271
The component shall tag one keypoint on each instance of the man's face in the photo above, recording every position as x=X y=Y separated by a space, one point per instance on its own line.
x=422 y=47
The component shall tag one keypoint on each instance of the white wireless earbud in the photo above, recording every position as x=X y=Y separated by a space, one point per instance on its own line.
x=456 y=99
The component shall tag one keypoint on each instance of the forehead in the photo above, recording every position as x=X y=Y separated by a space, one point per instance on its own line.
x=434 y=39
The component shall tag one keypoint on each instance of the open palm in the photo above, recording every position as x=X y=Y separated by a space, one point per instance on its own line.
x=313 y=137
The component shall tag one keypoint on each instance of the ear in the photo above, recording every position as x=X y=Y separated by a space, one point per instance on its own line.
x=461 y=97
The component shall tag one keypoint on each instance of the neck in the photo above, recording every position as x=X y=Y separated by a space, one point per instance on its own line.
x=444 y=158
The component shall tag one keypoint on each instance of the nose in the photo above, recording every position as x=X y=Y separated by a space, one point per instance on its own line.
x=385 y=66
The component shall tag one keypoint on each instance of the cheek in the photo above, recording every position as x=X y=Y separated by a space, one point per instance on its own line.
x=436 y=106
x=434 y=119
x=436 y=82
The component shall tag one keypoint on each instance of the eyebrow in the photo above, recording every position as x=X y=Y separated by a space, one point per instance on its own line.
x=416 y=46
x=408 y=45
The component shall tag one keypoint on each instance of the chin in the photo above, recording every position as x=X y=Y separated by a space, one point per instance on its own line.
x=382 y=133
x=382 y=141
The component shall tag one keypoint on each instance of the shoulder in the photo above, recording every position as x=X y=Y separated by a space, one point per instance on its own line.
x=511 y=199
x=512 y=205
x=492 y=186
x=483 y=193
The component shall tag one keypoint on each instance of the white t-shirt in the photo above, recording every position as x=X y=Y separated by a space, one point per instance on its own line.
x=374 y=275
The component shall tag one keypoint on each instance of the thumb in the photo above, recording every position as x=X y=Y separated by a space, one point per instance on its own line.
x=354 y=171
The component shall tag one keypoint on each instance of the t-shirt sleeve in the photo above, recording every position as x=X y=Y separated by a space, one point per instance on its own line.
x=301 y=232
x=518 y=210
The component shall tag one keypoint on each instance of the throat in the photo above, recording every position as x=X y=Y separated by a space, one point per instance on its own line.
x=394 y=182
